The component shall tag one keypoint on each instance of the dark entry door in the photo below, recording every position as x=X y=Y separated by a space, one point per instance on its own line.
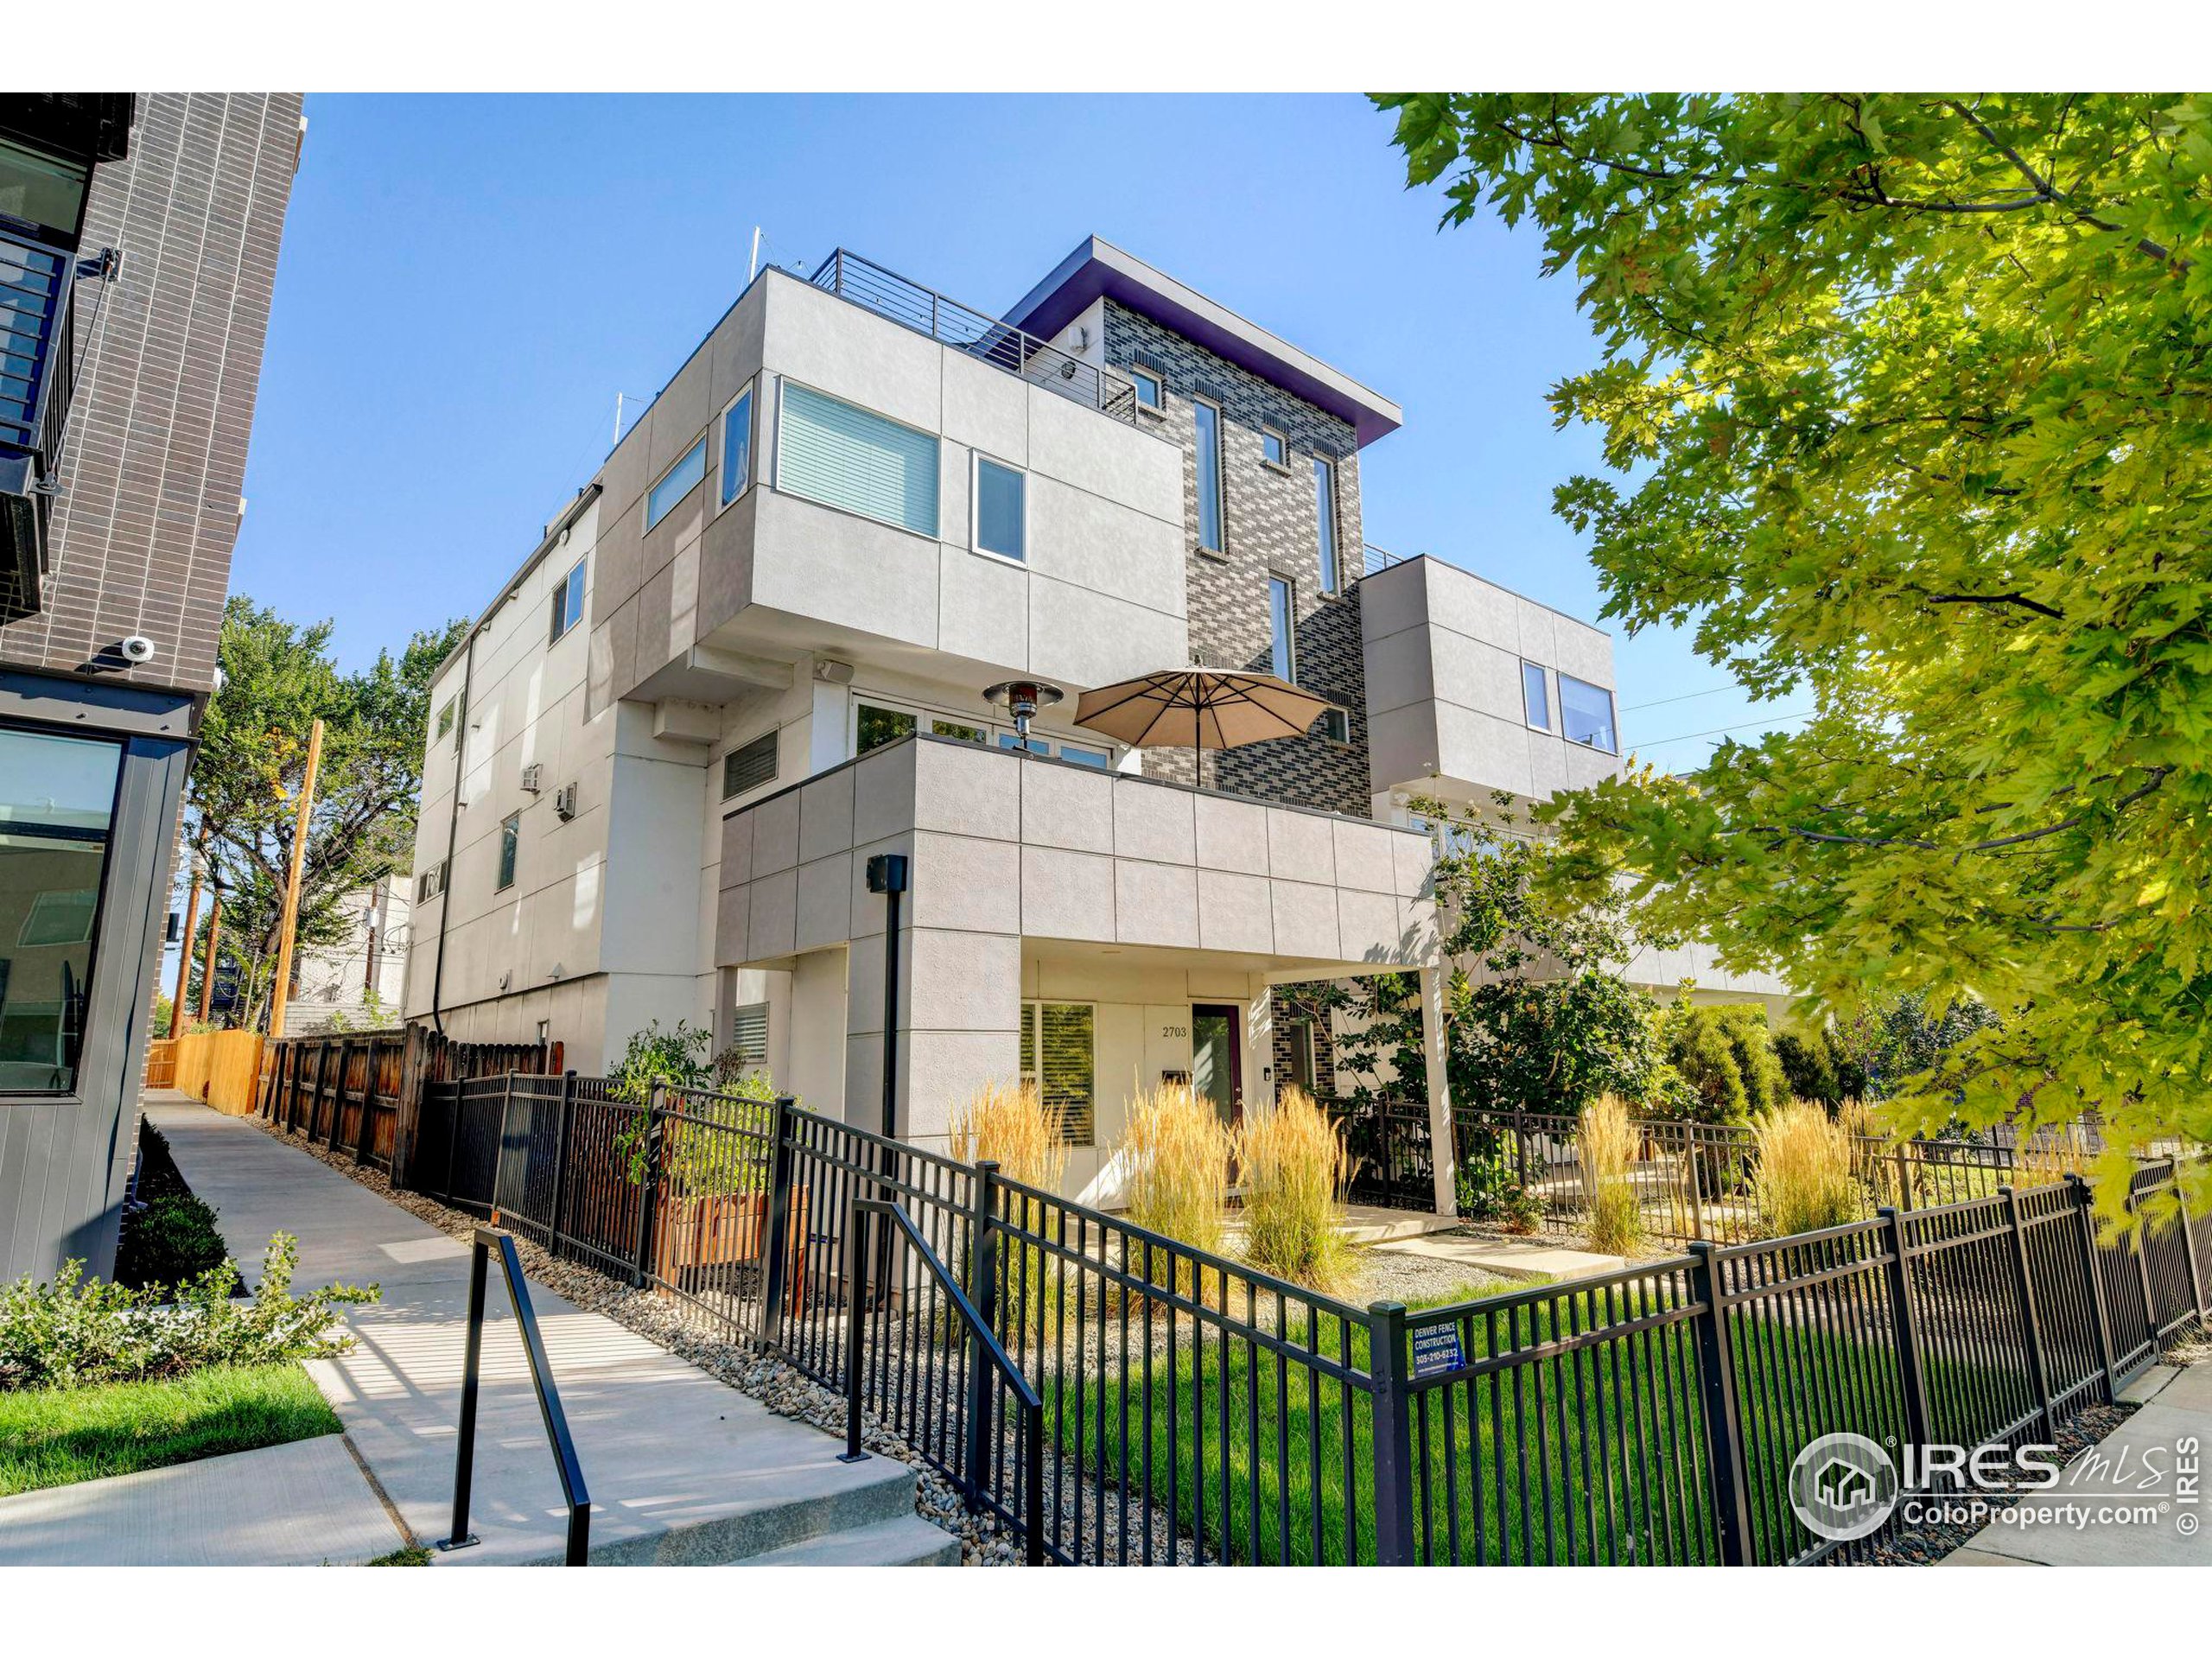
x=1217 y=1056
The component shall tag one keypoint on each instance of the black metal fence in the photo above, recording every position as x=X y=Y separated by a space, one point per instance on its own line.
x=1195 y=1409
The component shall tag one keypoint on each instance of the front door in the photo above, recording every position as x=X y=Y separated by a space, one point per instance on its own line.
x=1217 y=1056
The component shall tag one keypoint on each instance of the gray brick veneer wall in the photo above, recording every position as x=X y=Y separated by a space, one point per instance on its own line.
x=166 y=378
x=1269 y=526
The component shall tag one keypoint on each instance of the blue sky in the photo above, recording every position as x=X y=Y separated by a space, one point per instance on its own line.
x=467 y=283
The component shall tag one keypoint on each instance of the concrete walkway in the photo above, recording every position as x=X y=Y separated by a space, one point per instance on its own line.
x=304 y=1505
x=681 y=1467
x=2132 y=1467
x=1509 y=1258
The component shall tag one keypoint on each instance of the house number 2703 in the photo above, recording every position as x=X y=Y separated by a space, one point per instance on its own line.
x=1174 y=1031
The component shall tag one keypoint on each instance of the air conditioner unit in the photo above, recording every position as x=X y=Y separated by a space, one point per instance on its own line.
x=533 y=776
x=564 y=802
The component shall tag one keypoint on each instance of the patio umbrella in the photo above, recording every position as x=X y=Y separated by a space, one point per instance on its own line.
x=1199 y=709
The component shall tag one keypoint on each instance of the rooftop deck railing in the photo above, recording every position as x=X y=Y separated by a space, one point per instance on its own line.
x=1000 y=344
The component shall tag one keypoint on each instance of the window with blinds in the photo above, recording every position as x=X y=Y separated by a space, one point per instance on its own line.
x=748 y=1035
x=848 y=457
x=1058 y=1057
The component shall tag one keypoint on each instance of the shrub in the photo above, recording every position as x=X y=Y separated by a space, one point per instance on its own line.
x=1804 y=1178
x=1009 y=1126
x=1725 y=1053
x=676 y=1060
x=168 y=1239
x=1176 y=1151
x=71 y=1331
x=1292 y=1163
x=1606 y=1141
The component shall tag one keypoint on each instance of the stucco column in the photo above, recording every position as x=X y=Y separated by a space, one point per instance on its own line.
x=1260 y=1080
x=1445 y=1154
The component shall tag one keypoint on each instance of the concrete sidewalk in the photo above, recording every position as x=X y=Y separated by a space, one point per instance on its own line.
x=303 y=1504
x=2135 y=1466
x=681 y=1468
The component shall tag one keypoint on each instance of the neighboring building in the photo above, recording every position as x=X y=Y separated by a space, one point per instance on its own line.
x=138 y=240
x=360 y=982
x=750 y=654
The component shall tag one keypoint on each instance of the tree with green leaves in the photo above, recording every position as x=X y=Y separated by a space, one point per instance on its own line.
x=1907 y=410
x=278 y=678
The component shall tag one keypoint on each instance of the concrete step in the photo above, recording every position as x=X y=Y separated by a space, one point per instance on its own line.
x=908 y=1541
x=812 y=1503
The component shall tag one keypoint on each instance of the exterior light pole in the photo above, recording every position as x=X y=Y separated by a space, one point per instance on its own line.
x=886 y=874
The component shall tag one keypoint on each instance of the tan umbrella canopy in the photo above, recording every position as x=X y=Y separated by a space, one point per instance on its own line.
x=1199 y=709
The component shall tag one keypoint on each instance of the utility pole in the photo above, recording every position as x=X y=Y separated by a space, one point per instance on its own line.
x=214 y=937
x=282 y=988
x=191 y=920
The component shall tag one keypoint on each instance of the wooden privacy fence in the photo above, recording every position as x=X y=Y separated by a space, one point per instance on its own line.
x=362 y=1091
x=220 y=1067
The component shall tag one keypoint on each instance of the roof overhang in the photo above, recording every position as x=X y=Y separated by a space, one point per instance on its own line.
x=1097 y=268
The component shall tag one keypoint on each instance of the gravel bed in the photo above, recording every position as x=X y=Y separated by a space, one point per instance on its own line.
x=1387 y=1275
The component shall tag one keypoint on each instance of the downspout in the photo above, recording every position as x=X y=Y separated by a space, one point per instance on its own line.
x=452 y=823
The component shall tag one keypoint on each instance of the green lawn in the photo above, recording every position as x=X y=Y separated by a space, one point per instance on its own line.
x=1592 y=1455
x=55 y=1437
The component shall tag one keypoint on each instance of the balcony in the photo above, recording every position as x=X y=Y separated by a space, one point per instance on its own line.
x=37 y=366
x=1000 y=344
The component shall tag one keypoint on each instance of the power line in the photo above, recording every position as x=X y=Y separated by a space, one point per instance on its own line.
x=1718 y=731
x=1684 y=697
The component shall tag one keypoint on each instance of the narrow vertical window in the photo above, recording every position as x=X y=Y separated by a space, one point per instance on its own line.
x=1325 y=515
x=1282 y=613
x=1209 y=423
x=1147 y=386
x=569 y=599
x=510 y=843
x=737 y=447
x=1534 y=701
x=1001 y=518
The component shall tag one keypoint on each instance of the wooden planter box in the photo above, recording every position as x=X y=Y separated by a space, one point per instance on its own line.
x=723 y=1230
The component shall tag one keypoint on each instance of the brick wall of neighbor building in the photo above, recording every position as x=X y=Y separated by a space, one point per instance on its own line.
x=166 y=377
x=1268 y=524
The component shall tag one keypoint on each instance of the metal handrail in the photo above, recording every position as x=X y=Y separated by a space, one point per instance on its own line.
x=988 y=1346
x=901 y=298
x=541 y=1380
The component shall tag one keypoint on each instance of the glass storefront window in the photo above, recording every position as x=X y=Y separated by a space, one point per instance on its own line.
x=57 y=807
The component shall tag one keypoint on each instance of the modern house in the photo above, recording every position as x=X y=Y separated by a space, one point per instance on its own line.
x=357 y=982
x=138 y=238
x=752 y=654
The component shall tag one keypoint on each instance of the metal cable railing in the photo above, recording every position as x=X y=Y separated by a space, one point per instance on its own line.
x=1000 y=344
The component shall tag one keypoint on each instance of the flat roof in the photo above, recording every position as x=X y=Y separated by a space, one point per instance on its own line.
x=1098 y=267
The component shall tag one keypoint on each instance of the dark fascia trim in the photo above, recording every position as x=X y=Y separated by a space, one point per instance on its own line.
x=1097 y=268
x=97 y=705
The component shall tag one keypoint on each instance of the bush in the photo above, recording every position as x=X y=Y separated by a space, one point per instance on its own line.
x=1804 y=1178
x=1606 y=1139
x=71 y=1333
x=1725 y=1053
x=1176 y=1151
x=170 y=1240
x=1009 y=1126
x=1292 y=1163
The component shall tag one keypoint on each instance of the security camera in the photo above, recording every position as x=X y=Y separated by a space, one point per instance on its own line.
x=139 y=649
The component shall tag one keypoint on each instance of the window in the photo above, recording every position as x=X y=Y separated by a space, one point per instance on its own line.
x=748 y=1035
x=1536 y=699
x=1282 y=613
x=431 y=882
x=750 y=766
x=877 y=726
x=510 y=843
x=446 y=715
x=568 y=601
x=1324 y=519
x=1587 y=714
x=1301 y=1055
x=737 y=447
x=1209 y=423
x=1335 y=725
x=41 y=190
x=1001 y=518
x=961 y=729
x=57 y=806
x=1058 y=1057
x=1147 y=386
x=1083 y=757
x=847 y=457
x=1273 y=446
x=675 y=483
x=1035 y=745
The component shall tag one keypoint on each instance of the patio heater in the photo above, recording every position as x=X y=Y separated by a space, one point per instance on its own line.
x=1022 y=699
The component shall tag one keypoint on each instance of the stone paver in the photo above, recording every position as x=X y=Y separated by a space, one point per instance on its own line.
x=681 y=1466
x=1511 y=1259
x=302 y=1504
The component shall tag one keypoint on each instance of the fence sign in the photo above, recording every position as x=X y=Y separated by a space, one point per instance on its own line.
x=1436 y=1350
